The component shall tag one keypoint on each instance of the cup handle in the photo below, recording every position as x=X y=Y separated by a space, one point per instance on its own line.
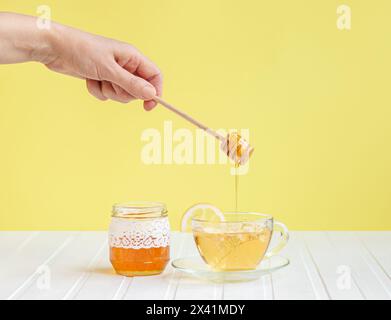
x=284 y=237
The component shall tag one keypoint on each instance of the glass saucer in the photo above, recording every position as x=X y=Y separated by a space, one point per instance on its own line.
x=197 y=267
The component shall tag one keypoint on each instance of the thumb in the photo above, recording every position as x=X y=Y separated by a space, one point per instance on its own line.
x=135 y=86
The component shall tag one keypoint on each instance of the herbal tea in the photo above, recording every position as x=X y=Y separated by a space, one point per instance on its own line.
x=233 y=251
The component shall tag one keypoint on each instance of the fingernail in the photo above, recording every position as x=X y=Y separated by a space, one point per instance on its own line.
x=148 y=92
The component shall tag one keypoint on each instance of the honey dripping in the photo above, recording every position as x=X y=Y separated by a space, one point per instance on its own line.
x=236 y=188
x=239 y=151
x=236 y=148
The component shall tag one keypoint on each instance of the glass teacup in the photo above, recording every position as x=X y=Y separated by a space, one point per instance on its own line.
x=239 y=242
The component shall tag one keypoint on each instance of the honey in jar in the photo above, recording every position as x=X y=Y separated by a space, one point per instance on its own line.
x=139 y=238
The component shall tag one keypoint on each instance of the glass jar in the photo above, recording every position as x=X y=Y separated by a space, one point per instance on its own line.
x=139 y=238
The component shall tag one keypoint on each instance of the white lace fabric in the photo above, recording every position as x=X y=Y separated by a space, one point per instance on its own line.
x=141 y=234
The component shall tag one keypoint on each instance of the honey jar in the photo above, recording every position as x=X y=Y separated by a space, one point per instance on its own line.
x=139 y=238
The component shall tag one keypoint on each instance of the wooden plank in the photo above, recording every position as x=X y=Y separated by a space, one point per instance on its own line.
x=123 y=288
x=67 y=269
x=162 y=286
x=252 y=290
x=11 y=242
x=191 y=288
x=20 y=268
x=331 y=263
x=300 y=279
x=102 y=282
x=365 y=272
x=260 y=289
x=74 y=290
x=79 y=268
x=378 y=245
x=376 y=253
x=318 y=285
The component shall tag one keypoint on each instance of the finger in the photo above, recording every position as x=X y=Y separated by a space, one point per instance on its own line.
x=110 y=93
x=149 y=105
x=157 y=82
x=136 y=63
x=95 y=89
x=133 y=85
x=122 y=93
x=150 y=72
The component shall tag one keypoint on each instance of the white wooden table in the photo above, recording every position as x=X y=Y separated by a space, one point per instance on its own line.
x=75 y=265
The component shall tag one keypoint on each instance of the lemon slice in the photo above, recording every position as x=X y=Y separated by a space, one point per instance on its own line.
x=203 y=211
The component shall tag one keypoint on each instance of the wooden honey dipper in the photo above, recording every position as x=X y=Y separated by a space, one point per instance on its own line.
x=233 y=145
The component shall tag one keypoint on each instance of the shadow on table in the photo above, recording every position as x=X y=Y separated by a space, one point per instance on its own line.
x=104 y=271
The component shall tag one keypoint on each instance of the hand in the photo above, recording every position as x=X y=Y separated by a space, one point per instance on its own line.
x=112 y=69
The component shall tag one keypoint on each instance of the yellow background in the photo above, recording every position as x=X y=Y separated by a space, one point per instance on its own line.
x=316 y=100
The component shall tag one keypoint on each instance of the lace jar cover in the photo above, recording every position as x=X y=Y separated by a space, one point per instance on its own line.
x=140 y=234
